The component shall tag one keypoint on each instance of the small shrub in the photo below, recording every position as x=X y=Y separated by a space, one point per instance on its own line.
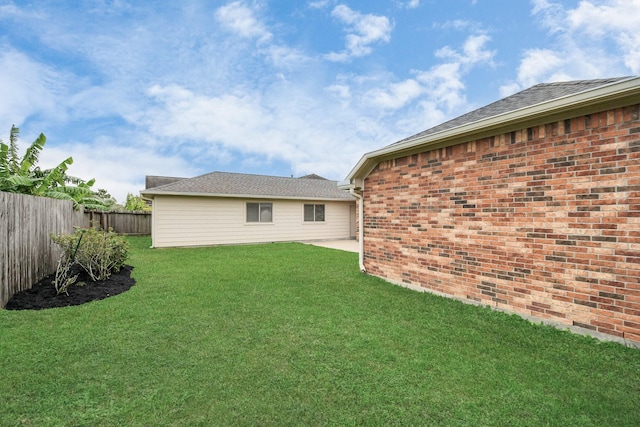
x=66 y=264
x=64 y=279
x=98 y=252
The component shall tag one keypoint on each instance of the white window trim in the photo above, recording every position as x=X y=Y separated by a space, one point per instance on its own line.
x=259 y=223
x=314 y=222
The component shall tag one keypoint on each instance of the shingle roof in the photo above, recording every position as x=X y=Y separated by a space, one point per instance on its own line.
x=152 y=181
x=313 y=176
x=254 y=186
x=526 y=98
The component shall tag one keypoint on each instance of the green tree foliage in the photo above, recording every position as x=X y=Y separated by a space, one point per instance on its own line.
x=21 y=174
x=136 y=203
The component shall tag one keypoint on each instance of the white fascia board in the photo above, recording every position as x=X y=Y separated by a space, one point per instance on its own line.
x=246 y=196
x=585 y=99
x=345 y=185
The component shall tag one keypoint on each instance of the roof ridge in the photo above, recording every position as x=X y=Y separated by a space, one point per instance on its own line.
x=577 y=82
x=260 y=175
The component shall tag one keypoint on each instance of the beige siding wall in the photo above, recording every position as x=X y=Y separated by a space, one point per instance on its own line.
x=202 y=221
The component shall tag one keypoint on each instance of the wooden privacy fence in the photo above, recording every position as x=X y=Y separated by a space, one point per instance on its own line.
x=27 y=253
x=130 y=223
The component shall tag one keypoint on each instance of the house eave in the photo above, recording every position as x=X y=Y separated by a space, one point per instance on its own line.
x=345 y=185
x=625 y=92
x=153 y=194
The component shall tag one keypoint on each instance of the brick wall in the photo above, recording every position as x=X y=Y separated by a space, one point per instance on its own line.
x=544 y=221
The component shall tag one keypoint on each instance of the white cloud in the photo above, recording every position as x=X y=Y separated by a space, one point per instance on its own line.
x=241 y=19
x=183 y=92
x=473 y=51
x=414 y=104
x=618 y=20
x=120 y=169
x=27 y=88
x=550 y=15
x=228 y=120
x=286 y=124
x=445 y=85
x=397 y=95
x=362 y=32
x=342 y=91
x=445 y=82
x=286 y=57
x=598 y=38
x=11 y=11
x=244 y=21
x=457 y=24
x=599 y=19
x=321 y=4
x=538 y=64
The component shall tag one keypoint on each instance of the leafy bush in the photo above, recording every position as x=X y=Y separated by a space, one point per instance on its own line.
x=136 y=203
x=98 y=252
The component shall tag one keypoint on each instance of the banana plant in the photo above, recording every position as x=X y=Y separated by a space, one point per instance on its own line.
x=80 y=193
x=23 y=175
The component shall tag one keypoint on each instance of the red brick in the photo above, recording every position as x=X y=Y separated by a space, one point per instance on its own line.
x=556 y=206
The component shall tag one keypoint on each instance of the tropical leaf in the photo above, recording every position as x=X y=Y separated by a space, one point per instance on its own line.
x=4 y=155
x=20 y=181
x=76 y=181
x=30 y=158
x=54 y=177
x=95 y=204
x=60 y=195
x=81 y=194
x=12 y=155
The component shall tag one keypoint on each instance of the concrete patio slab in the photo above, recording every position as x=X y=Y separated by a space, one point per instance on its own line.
x=350 y=245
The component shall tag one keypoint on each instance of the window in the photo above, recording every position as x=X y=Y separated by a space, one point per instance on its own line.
x=259 y=212
x=314 y=213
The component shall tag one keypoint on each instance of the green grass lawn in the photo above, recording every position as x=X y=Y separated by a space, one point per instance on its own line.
x=290 y=334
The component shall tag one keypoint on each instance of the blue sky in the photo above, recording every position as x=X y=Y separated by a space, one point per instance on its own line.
x=133 y=88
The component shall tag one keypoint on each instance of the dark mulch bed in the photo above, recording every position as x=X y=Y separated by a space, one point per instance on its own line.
x=43 y=294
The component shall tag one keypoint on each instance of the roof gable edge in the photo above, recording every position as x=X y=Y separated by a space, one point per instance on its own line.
x=544 y=110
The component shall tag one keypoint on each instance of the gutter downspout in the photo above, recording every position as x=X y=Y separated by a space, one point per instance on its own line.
x=352 y=191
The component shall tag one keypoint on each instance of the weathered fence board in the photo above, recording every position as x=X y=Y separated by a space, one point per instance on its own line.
x=27 y=253
x=129 y=223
